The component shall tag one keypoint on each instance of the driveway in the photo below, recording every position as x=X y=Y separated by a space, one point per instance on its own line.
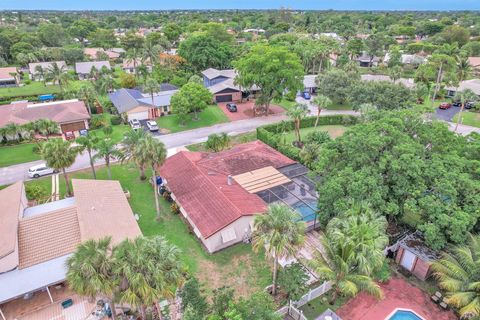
x=145 y=128
x=446 y=115
x=245 y=110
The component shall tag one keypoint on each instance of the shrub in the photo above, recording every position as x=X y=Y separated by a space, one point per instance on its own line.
x=318 y=137
x=36 y=148
x=27 y=81
x=175 y=208
x=97 y=121
x=116 y=120
x=35 y=192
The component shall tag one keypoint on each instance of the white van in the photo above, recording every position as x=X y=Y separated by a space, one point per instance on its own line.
x=39 y=170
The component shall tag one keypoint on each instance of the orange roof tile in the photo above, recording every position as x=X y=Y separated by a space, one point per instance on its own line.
x=11 y=200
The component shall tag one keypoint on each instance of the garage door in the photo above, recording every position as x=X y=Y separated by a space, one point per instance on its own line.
x=77 y=126
x=225 y=98
x=143 y=115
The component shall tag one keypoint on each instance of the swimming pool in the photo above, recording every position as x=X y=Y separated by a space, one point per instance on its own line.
x=402 y=314
x=305 y=209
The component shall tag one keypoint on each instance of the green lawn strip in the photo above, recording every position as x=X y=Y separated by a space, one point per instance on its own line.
x=10 y=155
x=469 y=119
x=208 y=117
x=117 y=134
x=32 y=89
x=318 y=305
x=241 y=138
x=334 y=131
x=285 y=104
x=338 y=106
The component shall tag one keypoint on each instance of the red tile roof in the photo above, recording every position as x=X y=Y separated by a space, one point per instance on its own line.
x=199 y=182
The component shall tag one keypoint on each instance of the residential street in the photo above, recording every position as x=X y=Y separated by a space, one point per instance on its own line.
x=173 y=141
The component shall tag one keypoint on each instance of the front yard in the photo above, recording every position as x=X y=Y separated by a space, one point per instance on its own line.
x=208 y=117
x=469 y=119
x=10 y=155
x=237 y=266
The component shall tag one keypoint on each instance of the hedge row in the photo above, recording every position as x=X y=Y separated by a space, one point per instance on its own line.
x=270 y=134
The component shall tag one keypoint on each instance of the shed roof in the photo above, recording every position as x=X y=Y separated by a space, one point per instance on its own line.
x=86 y=67
x=5 y=73
x=473 y=84
x=45 y=65
x=212 y=73
x=415 y=243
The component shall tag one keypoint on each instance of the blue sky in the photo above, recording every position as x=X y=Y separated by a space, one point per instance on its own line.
x=241 y=4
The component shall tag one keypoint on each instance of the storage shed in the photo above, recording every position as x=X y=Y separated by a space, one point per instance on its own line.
x=414 y=256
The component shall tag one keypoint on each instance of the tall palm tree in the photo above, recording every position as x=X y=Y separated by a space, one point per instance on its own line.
x=457 y=273
x=41 y=72
x=59 y=155
x=151 y=52
x=132 y=56
x=297 y=113
x=441 y=63
x=464 y=69
x=58 y=74
x=107 y=150
x=336 y=267
x=88 y=143
x=363 y=230
x=13 y=130
x=151 y=86
x=321 y=101
x=87 y=93
x=133 y=152
x=148 y=269
x=280 y=232
x=464 y=96
x=46 y=127
x=153 y=150
x=90 y=270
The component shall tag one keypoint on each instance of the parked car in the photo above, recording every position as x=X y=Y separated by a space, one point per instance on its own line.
x=135 y=124
x=469 y=105
x=232 y=107
x=40 y=170
x=457 y=104
x=69 y=135
x=445 y=106
x=152 y=125
x=306 y=95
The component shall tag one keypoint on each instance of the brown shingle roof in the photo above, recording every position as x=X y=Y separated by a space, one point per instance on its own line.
x=48 y=236
x=58 y=111
x=103 y=210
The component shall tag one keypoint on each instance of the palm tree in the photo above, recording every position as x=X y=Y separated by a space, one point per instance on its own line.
x=464 y=69
x=336 y=267
x=90 y=270
x=457 y=273
x=46 y=127
x=322 y=102
x=132 y=151
x=41 y=72
x=217 y=142
x=87 y=93
x=395 y=73
x=88 y=143
x=13 y=130
x=464 y=97
x=151 y=86
x=132 y=56
x=148 y=269
x=363 y=230
x=59 y=155
x=58 y=74
x=107 y=150
x=151 y=52
x=154 y=151
x=441 y=63
x=297 y=113
x=280 y=231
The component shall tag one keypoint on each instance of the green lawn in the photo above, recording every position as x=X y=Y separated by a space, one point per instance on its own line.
x=285 y=104
x=33 y=89
x=10 y=155
x=469 y=118
x=338 y=106
x=237 y=266
x=117 y=134
x=241 y=138
x=208 y=117
x=317 y=306
x=334 y=131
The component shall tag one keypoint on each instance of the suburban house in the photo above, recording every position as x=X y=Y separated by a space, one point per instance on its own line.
x=83 y=69
x=367 y=61
x=473 y=84
x=71 y=115
x=8 y=77
x=408 y=59
x=309 y=84
x=414 y=256
x=93 y=53
x=219 y=194
x=130 y=65
x=138 y=105
x=36 y=241
x=35 y=75
x=407 y=82
x=475 y=63
x=221 y=84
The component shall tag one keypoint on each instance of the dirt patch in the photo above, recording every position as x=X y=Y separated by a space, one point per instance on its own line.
x=245 y=110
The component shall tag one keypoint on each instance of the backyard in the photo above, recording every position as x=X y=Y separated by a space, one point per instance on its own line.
x=241 y=138
x=10 y=155
x=208 y=117
x=35 y=88
x=469 y=119
x=237 y=266
x=333 y=130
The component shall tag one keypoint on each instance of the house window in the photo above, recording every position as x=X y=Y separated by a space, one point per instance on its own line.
x=165 y=108
x=228 y=235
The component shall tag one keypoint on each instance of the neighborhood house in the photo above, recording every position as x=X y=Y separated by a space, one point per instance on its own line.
x=8 y=77
x=221 y=83
x=36 y=74
x=83 y=69
x=35 y=242
x=219 y=194
x=71 y=115
x=138 y=105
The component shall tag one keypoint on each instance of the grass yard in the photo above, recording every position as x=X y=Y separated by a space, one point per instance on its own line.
x=338 y=106
x=469 y=118
x=208 y=117
x=117 y=134
x=285 y=104
x=334 y=131
x=319 y=305
x=237 y=266
x=238 y=139
x=10 y=155
x=33 y=89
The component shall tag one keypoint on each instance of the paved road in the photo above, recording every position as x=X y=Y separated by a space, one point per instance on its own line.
x=446 y=115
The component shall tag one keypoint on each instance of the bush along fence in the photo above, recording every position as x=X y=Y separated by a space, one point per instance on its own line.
x=271 y=134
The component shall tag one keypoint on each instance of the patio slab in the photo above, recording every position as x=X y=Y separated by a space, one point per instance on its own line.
x=398 y=293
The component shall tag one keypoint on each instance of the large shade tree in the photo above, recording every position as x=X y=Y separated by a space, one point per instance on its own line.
x=273 y=69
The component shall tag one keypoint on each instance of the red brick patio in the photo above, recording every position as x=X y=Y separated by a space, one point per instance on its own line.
x=398 y=293
x=245 y=110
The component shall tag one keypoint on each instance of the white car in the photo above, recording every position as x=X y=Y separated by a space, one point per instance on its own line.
x=152 y=125
x=135 y=124
x=40 y=170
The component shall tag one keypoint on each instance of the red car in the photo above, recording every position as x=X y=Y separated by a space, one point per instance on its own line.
x=445 y=106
